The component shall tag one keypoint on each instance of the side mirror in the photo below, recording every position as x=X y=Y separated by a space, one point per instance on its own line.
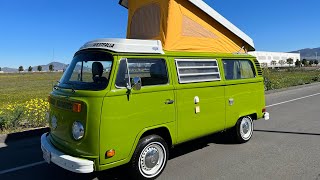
x=136 y=83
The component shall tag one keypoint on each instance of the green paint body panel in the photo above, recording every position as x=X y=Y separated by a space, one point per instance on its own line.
x=115 y=120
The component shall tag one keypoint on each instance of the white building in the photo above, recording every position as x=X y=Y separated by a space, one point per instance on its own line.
x=275 y=59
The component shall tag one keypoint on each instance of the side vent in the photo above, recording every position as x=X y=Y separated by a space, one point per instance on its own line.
x=258 y=67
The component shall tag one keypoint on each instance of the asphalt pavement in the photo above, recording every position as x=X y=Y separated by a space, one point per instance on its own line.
x=285 y=147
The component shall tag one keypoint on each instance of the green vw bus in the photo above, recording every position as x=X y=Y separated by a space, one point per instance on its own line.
x=124 y=101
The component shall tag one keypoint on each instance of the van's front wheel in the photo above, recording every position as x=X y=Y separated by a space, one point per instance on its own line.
x=149 y=158
x=243 y=130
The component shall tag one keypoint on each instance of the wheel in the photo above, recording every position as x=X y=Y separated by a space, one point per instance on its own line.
x=149 y=158
x=243 y=130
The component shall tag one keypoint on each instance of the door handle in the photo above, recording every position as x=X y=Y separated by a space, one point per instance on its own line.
x=231 y=101
x=169 y=101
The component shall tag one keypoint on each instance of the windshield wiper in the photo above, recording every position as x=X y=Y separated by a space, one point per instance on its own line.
x=73 y=90
x=56 y=86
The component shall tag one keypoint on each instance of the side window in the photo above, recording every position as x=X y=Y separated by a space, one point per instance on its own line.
x=238 y=69
x=151 y=71
x=122 y=76
x=197 y=70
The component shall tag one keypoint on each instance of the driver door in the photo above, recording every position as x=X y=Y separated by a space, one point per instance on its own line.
x=127 y=112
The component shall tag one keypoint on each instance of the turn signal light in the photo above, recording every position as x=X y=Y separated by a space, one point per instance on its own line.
x=76 y=107
x=264 y=110
x=110 y=153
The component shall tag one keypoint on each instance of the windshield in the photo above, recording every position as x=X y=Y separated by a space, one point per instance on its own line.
x=89 y=70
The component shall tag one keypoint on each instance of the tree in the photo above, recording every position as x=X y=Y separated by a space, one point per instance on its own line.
x=298 y=63
x=304 y=62
x=20 y=69
x=310 y=62
x=316 y=62
x=290 y=61
x=39 y=68
x=0 y=69
x=282 y=62
x=51 y=67
x=273 y=63
x=30 y=69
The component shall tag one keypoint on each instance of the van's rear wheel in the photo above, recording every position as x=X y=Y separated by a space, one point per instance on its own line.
x=149 y=158
x=243 y=130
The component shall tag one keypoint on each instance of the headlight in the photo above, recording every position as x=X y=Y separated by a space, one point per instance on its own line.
x=77 y=130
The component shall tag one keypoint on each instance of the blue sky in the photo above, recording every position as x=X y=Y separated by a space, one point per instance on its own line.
x=31 y=30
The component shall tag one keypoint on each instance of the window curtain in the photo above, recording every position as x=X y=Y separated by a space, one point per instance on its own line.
x=246 y=69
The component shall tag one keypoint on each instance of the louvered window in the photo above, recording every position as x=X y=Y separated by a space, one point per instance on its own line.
x=256 y=62
x=197 y=70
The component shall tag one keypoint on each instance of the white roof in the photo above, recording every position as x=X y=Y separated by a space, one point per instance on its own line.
x=126 y=45
x=215 y=15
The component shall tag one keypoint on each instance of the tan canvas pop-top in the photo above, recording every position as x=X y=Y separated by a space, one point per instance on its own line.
x=184 y=25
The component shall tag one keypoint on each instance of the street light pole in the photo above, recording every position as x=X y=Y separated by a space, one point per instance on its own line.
x=316 y=55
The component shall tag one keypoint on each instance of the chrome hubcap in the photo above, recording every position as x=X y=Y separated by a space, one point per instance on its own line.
x=152 y=157
x=152 y=160
x=246 y=128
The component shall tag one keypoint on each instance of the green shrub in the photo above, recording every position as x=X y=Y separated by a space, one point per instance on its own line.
x=283 y=78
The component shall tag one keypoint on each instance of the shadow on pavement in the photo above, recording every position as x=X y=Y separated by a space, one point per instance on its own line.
x=197 y=144
x=29 y=151
x=287 y=132
x=19 y=149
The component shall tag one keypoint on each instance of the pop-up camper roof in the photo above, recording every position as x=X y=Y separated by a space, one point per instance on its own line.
x=184 y=25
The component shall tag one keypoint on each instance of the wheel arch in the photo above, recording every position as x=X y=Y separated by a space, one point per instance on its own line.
x=253 y=116
x=162 y=131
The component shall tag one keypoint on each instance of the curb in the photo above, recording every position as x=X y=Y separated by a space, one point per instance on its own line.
x=291 y=88
x=5 y=138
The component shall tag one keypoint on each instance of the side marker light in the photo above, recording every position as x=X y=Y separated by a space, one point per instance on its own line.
x=110 y=153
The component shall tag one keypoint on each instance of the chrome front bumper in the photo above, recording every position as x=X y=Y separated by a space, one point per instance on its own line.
x=74 y=164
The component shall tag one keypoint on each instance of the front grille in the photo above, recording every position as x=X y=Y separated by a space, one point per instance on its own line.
x=64 y=105
x=61 y=104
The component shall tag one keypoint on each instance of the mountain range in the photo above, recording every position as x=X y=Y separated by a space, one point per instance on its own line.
x=308 y=53
x=57 y=66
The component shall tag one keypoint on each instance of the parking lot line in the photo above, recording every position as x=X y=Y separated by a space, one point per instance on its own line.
x=21 y=167
x=296 y=99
